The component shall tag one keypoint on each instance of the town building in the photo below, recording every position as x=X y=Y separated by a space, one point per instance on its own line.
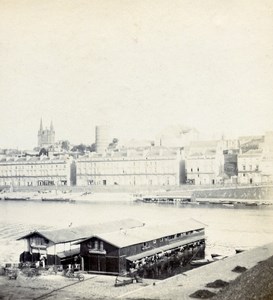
x=204 y=163
x=46 y=137
x=211 y=162
x=255 y=161
x=249 y=166
x=267 y=159
x=148 y=166
x=35 y=171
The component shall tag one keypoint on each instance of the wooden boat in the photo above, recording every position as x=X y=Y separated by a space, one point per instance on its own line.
x=16 y=198
x=201 y=262
x=119 y=282
x=251 y=204
x=239 y=251
x=56 y=199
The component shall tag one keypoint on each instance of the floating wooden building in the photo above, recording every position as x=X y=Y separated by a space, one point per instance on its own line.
x=119 y=246
x=117 y=252
x=57 y=246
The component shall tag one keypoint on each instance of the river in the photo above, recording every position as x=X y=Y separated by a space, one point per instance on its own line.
x=227 y=228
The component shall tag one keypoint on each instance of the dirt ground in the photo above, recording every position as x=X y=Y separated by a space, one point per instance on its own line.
x=59 y=287
x=254 y=283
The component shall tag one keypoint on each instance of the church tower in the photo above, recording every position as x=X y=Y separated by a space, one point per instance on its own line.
x=46 y=137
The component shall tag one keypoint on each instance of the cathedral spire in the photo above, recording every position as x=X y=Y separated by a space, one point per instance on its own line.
x=41 y=125
x=51 y=126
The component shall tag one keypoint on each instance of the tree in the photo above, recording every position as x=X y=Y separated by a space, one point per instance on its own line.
x=91 y=148
x=114 y=143
x=79 y=148
x=43 y=151
x=65 y=145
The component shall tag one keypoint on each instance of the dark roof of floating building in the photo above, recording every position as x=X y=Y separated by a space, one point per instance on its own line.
x=82 y=232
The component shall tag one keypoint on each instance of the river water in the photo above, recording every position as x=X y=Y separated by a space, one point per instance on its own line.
x=227 y=228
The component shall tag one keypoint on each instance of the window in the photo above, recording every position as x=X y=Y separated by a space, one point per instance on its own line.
x=96 y=245
x=244 y=167
x=250 y=167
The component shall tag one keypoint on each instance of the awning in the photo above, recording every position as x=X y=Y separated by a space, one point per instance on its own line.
x=165 y=248
x=68 y=253
x=42 y=247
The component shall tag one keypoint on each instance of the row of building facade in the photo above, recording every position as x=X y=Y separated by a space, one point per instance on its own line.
x=248 y=160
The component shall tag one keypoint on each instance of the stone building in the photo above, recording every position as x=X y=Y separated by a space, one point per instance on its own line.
x=211 y=162
x=267 y=159
x=249 y=166
x=255 y=161
x=35 y=171
x=204 y=162
x=150 y=166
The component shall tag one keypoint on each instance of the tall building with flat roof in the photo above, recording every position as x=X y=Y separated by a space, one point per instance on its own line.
x=102 y=138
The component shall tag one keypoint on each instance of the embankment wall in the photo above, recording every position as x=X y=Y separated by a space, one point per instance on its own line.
x=255 y=192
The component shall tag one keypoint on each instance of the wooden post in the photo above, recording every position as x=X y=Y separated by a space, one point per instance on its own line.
x=55 y=258
x=82 y=263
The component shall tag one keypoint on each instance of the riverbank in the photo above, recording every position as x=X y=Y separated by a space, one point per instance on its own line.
x=217 y=195
x=186 y=284
x=65 y=196
x=197 y=191
x=255 y=283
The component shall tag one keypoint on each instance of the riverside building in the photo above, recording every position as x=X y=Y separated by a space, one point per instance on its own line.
x=146 y=249
x=204 y=163
x=150 y=166
x=211 y=162
x=255 y=161
x=117 y=246
x=35 y=171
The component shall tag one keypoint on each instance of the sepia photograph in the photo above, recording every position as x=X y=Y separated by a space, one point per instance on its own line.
x=136 y=149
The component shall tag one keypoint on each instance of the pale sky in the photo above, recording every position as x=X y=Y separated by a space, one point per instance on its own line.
x=138 y=65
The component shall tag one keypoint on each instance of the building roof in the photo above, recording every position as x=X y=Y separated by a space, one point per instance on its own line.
x=124 y=238
x=82 y=232
x=202 y=148
x=252 y=152
x=176 y=244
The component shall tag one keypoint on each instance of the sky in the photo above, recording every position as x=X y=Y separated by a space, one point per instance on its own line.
x=138 y=66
